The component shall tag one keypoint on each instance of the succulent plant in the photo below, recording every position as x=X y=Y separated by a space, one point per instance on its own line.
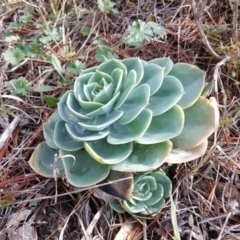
x=148 y=196
x=129 y=116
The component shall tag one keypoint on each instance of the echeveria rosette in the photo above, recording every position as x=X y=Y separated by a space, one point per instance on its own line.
x=148 y=196
x=131 y=116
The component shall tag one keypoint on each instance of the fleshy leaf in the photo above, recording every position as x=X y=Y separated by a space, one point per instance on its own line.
x=104 y=109
x=109 y=66
x=126 y=89
x=106 y=153
x=74 y=107
x=117 y=76
x=78 y=133
x=165 y=63
x=164 y=126
x=102 y=121
x=144 y=158
x=153 y=76
x=120 y=189
x=42 y=160
x=169 y=94
x=64 y=112
x=156 y=195
x=63 y=140
x=133 y=208
x=89 y=70
x=192 y=79
x=137 y=100
x=178 y=155
x=116 y=205
x=105 y=94
x=98 y=77
x=49 y=128
x=136 y=65
x=81 y=169
x=87 y=105
x=79 y=85
x=162 y=179
x=153 y=209
x=120 y=134
x=199 y=124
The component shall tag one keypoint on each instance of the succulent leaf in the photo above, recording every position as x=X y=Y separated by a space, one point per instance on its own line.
x=178 y=155
x=63 y=140
x=49 y=128
x=199 y=124
x=126 y=89
x=120 y=134
x=81 y=169
x=79 y=85
x=74 y=108
x=165 y=63
x=136 y=65
x=102 y=121
x=109 y=66
x=42 y=160
x=167 y=96
x=64 y=112
x=80 y=134
x=192 y=79
x=153 y=76
x=106 y=153
x=136 y=101
x=117 y=77
x=144 y=158
x=161 y=129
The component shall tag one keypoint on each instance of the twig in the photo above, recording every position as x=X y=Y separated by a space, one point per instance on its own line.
x=201 y=31
x=8 y=131
x=235 y=21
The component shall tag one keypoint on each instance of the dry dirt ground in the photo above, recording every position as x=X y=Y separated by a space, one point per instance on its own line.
x=205 y=191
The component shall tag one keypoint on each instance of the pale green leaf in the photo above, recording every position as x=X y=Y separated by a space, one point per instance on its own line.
x=13 y=56
x=81 y=169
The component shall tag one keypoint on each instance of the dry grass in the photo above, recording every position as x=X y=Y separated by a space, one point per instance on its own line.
x=206 y=191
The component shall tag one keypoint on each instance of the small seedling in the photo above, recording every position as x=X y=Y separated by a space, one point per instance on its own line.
x=107 y=6
x=51 y=101
x=141 y=31
x=19 y=86
x=85 y=31
x=211 y=29
x=50 y=34
x=103 y=52
x=13 y=56
x=75 y=67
